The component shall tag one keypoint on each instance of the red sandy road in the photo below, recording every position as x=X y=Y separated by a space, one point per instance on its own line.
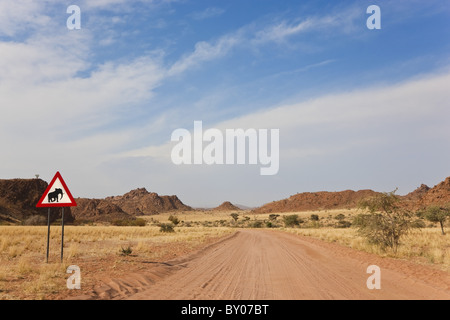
x=266 y=264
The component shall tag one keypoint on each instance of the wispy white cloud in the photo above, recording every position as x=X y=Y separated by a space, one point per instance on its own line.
x=121 y=5
x=20 y=15
x=396 y=107
x=60 y=119
x=205 y=51
x=257 y=35
x=305 y=68
x=342 y=21
x=283 y=30
x=374 y=135
x=207 y=13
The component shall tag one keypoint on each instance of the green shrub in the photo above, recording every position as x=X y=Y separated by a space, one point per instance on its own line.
x=273 y=216
x=174 y=220
x=166 y=227
x=256 y=224
x=126 y=251
x=315 y=217
x=291 y=220
x=340 y=216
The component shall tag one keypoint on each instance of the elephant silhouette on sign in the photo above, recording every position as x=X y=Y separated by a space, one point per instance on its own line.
x=54 y=196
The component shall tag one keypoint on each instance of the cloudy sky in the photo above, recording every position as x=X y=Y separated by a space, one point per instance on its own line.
x=355 y=108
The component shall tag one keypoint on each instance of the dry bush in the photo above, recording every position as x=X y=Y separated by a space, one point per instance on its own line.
x=385 y=223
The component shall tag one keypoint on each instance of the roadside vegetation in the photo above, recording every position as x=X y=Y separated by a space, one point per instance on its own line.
x=99 y=251
x=379 y=226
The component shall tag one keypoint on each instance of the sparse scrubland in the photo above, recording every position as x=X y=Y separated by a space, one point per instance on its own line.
x=100 y=251
x=113 y=250
x=423 y=241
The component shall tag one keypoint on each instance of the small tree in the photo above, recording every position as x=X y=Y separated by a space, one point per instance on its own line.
x=315 y=217
x=385 y=223
x=235 y=216
x=438 y=214
x=273 y=217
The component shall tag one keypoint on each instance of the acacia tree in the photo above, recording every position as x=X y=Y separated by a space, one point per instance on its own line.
x=438 y=214
x=384 y=222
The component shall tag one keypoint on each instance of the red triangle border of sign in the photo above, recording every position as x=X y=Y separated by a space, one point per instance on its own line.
x=50 y=185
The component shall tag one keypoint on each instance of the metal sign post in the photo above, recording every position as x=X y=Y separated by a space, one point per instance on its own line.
x=48 y=232
x=56 y=195
x=62 y=234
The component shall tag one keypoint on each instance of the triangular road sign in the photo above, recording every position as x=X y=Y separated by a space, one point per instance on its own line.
x=57 y=194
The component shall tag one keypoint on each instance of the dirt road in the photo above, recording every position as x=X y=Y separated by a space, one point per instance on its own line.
x=266 y=264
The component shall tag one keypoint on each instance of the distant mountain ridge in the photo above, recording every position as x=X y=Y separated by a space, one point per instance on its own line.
x=137 y=202
x=420 y=198
x=323 y=200
x=18 y=199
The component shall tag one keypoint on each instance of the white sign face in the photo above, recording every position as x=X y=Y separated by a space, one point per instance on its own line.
x=57 y=194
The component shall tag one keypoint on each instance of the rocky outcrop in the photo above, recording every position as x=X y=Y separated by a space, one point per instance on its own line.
x=142 y=202
x=322 y=200
x=438 y=195
x=226 y=206
x=134 y=203
x=18 y=199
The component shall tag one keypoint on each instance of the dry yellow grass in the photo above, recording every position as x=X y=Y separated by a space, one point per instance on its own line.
x=96 y=249
x=425 y=245
x=24 y=274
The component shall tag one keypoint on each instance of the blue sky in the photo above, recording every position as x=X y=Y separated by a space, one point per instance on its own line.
x=356 y=108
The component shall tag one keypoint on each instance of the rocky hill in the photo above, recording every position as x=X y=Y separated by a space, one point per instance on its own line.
x=97 y=210
x=142 y=202
x=438 y=195
x=226 y=206
x=322 y=200
x=418 y=193
x=134 y=203
x=420 y=198
x=18 y=199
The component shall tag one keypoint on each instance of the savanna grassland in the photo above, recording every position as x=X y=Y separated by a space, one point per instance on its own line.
x=99 y=251
x=113 y=251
